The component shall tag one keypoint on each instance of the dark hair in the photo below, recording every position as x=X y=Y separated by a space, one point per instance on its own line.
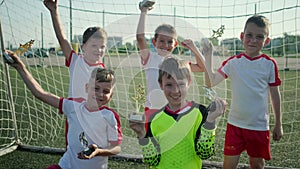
x=259 y=20
x=171 y=67
x=165 y=28
x=96 y=32
x=103 y=75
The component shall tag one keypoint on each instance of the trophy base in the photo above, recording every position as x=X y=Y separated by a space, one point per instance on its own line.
x=147 y=3
x=8 y=58
x=136 y=117
x=89 y=151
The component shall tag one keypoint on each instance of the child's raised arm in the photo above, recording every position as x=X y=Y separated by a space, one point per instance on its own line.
x=52 y=5
x=140 y=33
x=211 y=78
x=32 y=84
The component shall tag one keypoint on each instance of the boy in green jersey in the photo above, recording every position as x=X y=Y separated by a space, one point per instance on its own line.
x=181 y=133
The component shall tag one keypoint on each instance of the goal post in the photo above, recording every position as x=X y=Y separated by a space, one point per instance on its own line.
x=28 y=123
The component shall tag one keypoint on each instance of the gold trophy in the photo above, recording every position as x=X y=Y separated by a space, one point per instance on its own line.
x=20 y=51
x=217 y=33
x=139 y=100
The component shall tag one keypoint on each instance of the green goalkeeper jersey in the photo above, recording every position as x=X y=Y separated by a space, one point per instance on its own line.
x=178 y=140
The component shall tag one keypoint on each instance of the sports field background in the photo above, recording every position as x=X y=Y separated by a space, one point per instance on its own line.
x=285 y=152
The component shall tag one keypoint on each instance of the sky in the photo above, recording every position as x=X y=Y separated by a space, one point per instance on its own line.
x=22 y=20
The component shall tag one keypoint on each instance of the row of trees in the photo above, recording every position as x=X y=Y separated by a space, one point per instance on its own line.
x=288 y=45
x=281 y=46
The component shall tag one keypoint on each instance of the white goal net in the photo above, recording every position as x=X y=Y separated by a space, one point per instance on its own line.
x=24 y=120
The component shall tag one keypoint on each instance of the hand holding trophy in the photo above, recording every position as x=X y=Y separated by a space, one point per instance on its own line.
x=217 y=106
x=20 y=51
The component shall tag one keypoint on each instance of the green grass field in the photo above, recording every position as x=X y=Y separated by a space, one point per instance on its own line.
x=33 y=160
x=48 y=128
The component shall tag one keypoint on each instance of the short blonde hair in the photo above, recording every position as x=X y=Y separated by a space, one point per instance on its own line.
x=165 y=28
x=172 y=67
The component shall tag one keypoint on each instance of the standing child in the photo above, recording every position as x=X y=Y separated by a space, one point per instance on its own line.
x=254 y=76
x=80 y=66
x=165 y=41
x=100 y=124
x=181 y=133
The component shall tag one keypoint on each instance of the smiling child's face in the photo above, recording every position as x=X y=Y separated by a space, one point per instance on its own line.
x=165 y=43
x=99 y=93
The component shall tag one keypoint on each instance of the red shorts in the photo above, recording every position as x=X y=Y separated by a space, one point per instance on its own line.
x=54 y=166
x=256 y=143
